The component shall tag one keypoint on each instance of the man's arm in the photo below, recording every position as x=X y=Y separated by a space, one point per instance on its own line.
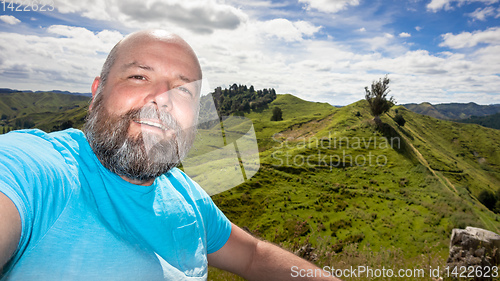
x=253 y=259
x=10 y=229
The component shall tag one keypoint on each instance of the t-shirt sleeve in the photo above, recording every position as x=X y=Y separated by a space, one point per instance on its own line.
x=217 y=225
x=28 y=173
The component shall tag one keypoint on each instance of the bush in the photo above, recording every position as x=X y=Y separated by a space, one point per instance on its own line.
x=488 y=199
x=277 y=114
x=400 y=119
x=339 y=225
x=377 y=97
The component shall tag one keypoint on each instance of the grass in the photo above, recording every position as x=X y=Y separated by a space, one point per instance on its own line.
x=427 y=184
x=359 y=195
x=45 y=109
x=387 y=261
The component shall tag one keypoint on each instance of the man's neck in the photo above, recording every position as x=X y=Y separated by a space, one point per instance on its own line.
x=138 y=182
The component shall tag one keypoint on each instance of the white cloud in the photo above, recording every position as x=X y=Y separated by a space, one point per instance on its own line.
x=383 y=45
x=482 y=14
x=436 y=5
x=202 y=16
x=431 y=76
x=404 y=34
x=467 y=39
x=9 y=19
x=306 y=28
x=329 y=6
x=277 y=52
x=68 y=57
x=287 y=30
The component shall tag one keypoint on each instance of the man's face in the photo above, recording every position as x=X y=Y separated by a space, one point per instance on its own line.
x=143 y=121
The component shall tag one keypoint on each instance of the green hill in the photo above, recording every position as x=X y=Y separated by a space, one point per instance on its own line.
x=45 y=110
x=329 y=178
x=490 y=121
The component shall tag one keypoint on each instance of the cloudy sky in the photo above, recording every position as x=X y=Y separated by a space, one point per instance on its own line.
x=320 y=50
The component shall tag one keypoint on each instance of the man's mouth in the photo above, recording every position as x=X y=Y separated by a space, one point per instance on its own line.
x=151 y=123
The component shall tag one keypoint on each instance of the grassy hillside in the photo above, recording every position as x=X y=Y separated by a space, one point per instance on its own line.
x=309 y=115
x=46 y=110
x=490 y=121
x=329 y=178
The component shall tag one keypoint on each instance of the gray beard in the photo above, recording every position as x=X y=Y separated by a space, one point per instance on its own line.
x=143 y=157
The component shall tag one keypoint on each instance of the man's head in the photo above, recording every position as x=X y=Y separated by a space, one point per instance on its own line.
x=144 y=110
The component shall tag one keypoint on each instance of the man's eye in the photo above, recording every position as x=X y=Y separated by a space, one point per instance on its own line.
x=138 y=77
x=185 y=90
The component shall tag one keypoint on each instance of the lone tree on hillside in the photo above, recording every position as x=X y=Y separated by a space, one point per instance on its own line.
x=377 y=98
x=277 y=114
x=400 y=120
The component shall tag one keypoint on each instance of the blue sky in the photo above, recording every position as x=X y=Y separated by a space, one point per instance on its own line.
x=320 y=50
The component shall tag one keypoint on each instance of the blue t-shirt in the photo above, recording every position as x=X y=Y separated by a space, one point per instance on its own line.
x=82 y=222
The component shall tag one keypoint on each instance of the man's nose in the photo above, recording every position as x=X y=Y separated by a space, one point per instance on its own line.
x=161 y=97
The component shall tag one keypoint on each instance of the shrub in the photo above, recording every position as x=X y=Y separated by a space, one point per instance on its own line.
x=277 y=114
x=377 y=98
x=400 y=119
x=488 y=199
x=338 y=225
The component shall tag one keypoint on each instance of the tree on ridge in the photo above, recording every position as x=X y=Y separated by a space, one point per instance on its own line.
x=377 y=98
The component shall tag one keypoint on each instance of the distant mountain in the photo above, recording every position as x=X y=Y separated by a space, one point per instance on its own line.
x=48 y=111
x=67 y=93
x=490 y=121
x=453 y=111
x=7 y=90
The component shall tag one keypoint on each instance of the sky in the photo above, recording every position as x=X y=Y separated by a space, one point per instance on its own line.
x=436 y=51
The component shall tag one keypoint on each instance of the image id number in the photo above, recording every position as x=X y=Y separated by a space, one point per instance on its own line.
x=28 y=6
x=471 y=271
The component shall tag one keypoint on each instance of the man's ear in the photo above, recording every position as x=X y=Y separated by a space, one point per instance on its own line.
x=95 y=85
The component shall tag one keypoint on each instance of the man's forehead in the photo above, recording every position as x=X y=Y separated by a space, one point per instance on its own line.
x=130 y=53
x=136 y=64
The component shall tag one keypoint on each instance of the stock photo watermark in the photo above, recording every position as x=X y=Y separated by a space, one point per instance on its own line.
x=362 y=271
x=334 y=152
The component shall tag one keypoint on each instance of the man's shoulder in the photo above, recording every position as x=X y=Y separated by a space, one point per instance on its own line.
x=39 y=136
x=39 y=146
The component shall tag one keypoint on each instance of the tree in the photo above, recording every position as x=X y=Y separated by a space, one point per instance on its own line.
x=488 y=199
x=377 y=98
x=400 y=119
x=277 y=114
x=66 y=125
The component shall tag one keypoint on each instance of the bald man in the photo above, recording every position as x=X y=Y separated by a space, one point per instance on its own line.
x=108 y=203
